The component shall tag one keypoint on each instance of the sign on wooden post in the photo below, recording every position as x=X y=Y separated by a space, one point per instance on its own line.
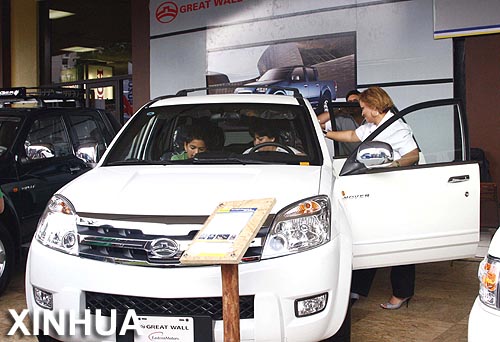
x=223 y=240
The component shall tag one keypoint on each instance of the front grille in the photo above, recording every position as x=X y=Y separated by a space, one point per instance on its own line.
x=211 y=306
x=110 y=241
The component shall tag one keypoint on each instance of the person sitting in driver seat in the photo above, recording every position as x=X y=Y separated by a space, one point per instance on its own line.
x=265 y=132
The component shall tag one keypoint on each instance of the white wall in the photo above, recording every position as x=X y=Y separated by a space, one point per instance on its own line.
x=394 y=40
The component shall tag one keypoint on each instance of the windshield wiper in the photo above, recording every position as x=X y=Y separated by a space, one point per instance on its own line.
x=225 y=158
x=132 y=161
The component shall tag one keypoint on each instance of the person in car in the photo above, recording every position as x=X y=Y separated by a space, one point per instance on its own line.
x=341 y=122
x=375 y=105
x=265 y=132
x=194 y=143
x=1 y=202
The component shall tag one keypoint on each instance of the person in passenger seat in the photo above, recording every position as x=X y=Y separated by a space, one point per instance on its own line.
x=194 y=143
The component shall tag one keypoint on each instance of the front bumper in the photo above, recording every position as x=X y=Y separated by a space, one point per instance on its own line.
x=275 y=285
x=483 y=322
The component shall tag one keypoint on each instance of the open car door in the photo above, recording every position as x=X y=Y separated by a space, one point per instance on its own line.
x=421 y=213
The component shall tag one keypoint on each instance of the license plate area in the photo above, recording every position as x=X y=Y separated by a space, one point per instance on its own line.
x=168 y=328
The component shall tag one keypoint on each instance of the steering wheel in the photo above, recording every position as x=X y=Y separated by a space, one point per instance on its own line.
x=259 y=146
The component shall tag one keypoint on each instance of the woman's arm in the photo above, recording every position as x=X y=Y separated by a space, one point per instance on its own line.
x=343 y=136
x=323 y=118
x=1 y=205
x=411 y=158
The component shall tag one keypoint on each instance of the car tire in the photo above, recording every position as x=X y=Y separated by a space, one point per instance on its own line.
x=7 y=257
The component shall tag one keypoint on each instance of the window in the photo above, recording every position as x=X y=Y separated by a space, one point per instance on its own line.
x=8 y=131
x=159 y=133
x=47 y=138
x=88 y=132
x=298 y=74
x=439 y=133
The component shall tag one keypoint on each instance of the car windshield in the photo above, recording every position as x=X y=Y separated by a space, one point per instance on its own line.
x=228 y=133
x=276 y=74
x=8 y=130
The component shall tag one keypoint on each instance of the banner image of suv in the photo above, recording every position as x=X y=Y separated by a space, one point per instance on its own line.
x=109 y=242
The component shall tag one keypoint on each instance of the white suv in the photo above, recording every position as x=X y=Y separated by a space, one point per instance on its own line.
x=112 y=239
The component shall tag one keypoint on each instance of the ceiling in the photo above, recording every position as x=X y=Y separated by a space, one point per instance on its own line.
x=102 y=24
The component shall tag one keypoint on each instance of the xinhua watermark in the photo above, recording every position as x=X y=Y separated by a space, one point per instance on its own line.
x=67 y=323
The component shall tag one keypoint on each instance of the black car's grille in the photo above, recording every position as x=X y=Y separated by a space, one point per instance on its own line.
x=211 y=306
x=115 y=244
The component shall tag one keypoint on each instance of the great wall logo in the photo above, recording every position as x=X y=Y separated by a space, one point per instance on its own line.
x=167 y=11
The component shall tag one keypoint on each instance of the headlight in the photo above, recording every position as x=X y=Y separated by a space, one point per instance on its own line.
x=488 y=280
x=299 y=227
x=57 y=226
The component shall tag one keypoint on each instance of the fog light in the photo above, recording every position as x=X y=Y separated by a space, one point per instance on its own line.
x=43 y=298
x=310 y=305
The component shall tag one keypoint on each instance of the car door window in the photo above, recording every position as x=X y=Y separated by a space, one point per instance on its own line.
x=298 y=75
x=8 y=130
x=47 y=138
x=439 y=134
x=438 y=129
x=311 y=76
x=90 y=143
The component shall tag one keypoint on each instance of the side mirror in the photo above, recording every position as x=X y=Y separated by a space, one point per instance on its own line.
x=40 y=151
x=88 y=152
x=375 y=154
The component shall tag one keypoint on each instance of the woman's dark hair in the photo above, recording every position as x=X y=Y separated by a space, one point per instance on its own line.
x=352 y=92
x=194 y=132
x=210 y=133
x=262 y=128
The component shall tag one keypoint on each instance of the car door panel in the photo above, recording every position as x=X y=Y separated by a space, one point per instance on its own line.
x=412 y=216
x=422 y=213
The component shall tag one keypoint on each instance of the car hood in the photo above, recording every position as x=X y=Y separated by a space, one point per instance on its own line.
x=187 y=190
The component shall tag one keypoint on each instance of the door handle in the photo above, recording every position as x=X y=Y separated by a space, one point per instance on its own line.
x=458 y=179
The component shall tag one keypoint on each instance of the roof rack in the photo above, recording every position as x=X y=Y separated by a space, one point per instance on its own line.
x=185 y=92
x=43 y=96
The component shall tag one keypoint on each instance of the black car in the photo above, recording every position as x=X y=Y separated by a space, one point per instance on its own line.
x=46 y=140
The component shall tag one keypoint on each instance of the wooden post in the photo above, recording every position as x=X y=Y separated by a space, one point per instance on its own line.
x=230 y=302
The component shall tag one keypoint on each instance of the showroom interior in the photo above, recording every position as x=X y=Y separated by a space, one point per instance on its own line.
x=131 y=45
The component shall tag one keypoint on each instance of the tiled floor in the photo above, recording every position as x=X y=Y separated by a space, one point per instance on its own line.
x=439 y=311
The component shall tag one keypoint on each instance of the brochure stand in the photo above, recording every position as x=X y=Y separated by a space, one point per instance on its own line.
x=223 y=240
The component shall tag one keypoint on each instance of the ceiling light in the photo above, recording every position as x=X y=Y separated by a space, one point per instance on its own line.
x=55 y=14
x=79 y=49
